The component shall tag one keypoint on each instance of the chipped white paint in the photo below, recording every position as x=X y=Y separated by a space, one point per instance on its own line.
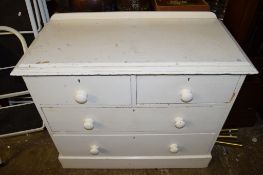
x=98 y=82
x=186 y=89
x=99 y=90
x=128 y=120
x=134 y=43
x=134 y=145
x=125 y=162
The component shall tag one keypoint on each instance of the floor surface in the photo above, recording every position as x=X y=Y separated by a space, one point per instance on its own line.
x=34 y=154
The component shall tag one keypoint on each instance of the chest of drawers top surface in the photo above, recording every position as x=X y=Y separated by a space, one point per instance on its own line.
x=134 y=43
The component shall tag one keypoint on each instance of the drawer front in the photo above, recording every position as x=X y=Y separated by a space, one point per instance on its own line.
x=83 y=90
x=186 y=89
x=138 y=162
x=178 y=120
x=134 y=145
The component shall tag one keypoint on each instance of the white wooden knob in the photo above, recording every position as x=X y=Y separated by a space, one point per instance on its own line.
x=81 y=96
x=89 y=124
x=94 y=149
x=186 y=95
x=179 y=122
x=173 y=148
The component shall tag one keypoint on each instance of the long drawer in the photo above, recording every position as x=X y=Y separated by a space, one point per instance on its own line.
x=83 y=90
x=121 y=162
x=100 y=120
x=186 y=88
x=134 y=145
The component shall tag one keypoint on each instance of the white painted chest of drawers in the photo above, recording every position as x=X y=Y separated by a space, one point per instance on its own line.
x=134 y=89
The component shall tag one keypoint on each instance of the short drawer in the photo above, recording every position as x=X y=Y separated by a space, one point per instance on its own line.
x=104 y=120
x=134 y=145
x=186 y=89
x=83 y=90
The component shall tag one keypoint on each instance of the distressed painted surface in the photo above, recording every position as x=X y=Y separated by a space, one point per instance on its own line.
x=125 y=120
x=132 y=51
x=150 y=43
x=101 y=90
x=204 y=89
x=134 y=145
x=36 y=154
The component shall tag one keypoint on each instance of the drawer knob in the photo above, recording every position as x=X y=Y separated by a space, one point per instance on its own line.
x=89 y=124
x=81 y=96
x=186 y=95
x=173 y=148
x=179 y=122
x=94 y=149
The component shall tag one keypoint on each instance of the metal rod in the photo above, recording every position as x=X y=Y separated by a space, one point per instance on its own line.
x=37 y=14
x=17 y=34
x=31 y=17
x=42 y=11
x=22 y=32
x=225 y=130
x=227 y=136
x=229 y=143
x=45 y=9
x=4 y=68
x=15 y=94
x=17 y=105
x=24 y=132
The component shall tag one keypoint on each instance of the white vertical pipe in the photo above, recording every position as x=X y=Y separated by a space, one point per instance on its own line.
x=46 y=10
x=42 y=11
x=31 y=17
x=37 y=14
